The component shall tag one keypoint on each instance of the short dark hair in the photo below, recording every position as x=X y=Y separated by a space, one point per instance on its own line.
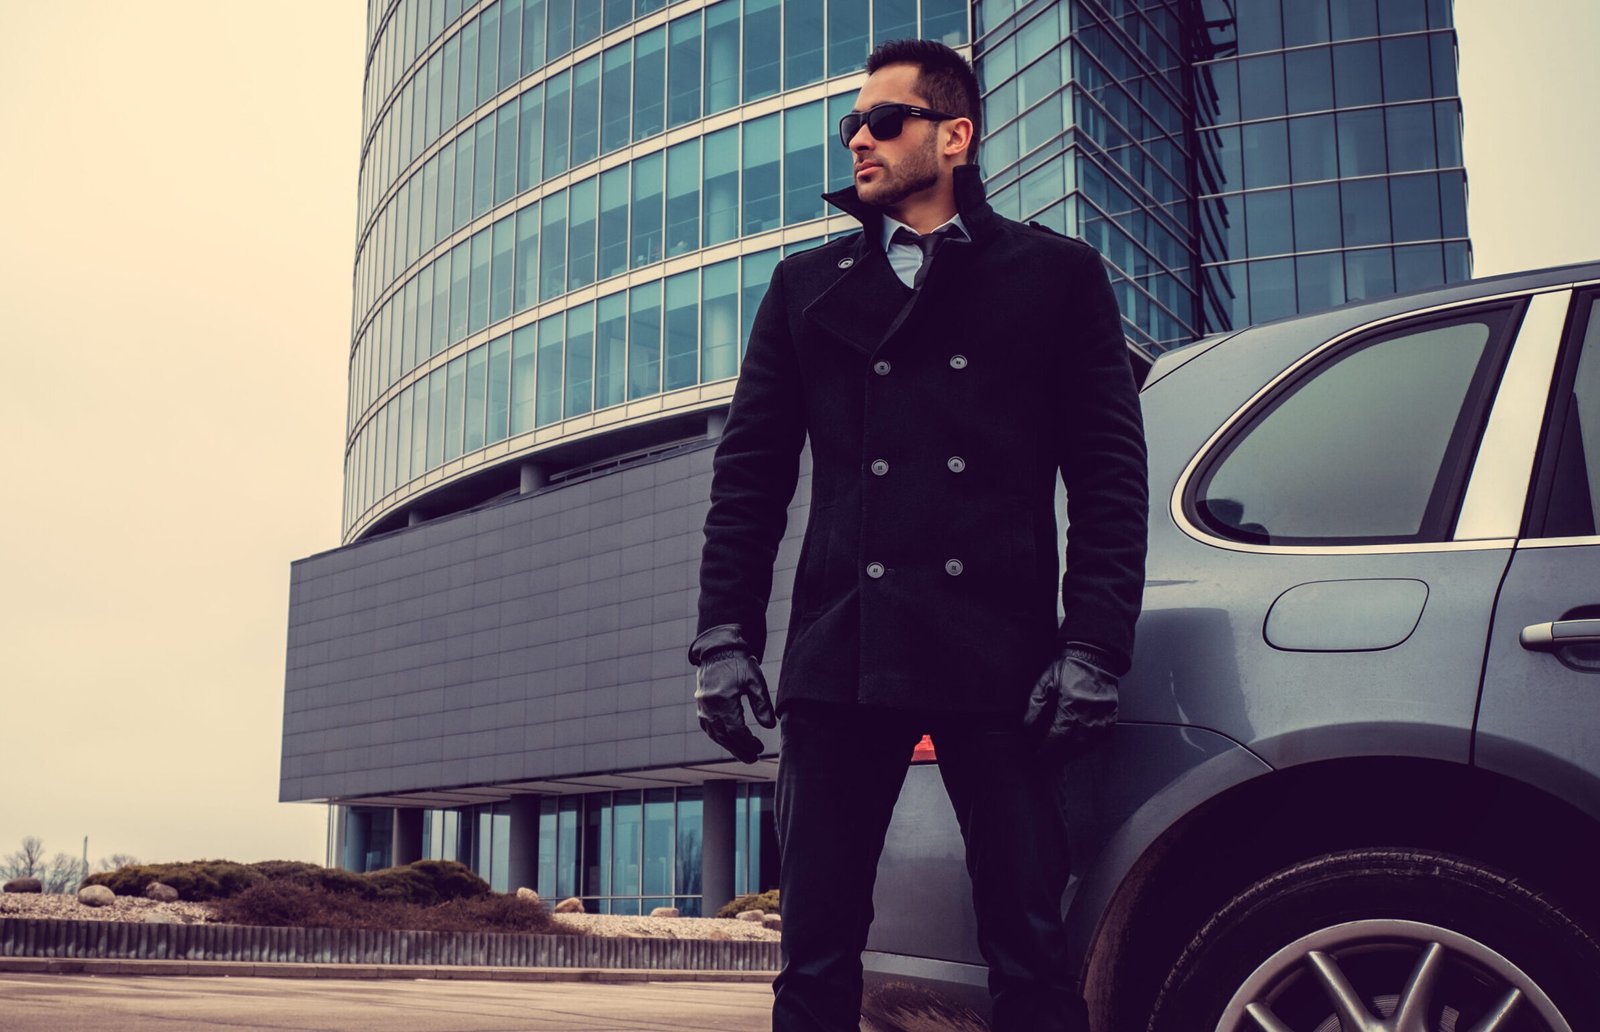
x=944 y=79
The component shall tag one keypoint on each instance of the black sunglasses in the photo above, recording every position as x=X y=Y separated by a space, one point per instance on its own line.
x=885 y=120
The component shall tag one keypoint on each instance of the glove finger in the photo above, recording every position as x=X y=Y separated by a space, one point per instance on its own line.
x=1041 y=705
x=744 y=746
x=1073 y=741
x=761 y=703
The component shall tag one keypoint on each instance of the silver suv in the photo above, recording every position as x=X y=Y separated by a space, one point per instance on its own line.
x=1356 y=785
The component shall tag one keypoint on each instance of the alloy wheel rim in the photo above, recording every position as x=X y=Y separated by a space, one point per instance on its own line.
x=1385 y=975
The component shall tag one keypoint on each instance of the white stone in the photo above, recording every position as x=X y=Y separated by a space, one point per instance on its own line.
x=96 y=896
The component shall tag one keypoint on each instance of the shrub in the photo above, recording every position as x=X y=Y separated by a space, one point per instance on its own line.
x=402 y=885
x=195 y=879
x=767 y=901
x=451 y=880
x=287 y=903
x=286 y=868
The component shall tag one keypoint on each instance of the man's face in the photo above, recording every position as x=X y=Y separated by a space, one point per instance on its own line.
x=889 y=171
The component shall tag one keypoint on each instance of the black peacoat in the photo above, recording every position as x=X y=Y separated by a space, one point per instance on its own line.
x=938 y=421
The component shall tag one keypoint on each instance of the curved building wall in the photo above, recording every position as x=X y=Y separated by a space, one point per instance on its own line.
x=1330 y=154
x=568 y=212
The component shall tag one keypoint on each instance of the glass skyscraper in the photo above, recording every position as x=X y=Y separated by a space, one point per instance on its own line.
x=568 y=211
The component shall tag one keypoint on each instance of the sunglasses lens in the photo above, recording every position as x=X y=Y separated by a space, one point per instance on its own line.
x=886 y=122
x=849 y=125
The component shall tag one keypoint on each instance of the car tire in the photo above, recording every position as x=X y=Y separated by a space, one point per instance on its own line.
x=1374 y=919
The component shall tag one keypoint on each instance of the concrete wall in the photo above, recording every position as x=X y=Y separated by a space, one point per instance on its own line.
x=538 y=637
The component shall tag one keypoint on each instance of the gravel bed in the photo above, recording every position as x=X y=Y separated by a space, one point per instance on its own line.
x=123 y=908
x=132 y=908
x=668 y=927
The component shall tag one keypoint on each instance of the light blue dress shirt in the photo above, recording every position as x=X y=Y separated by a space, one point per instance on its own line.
x=906 y=259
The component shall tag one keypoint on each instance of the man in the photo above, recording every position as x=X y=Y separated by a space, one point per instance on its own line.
x=945 y=363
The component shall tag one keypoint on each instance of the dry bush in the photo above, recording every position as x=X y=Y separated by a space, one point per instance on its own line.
x=289 y=904
x=767 y=901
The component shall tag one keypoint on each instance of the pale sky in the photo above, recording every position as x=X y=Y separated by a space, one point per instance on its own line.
x=180 y=184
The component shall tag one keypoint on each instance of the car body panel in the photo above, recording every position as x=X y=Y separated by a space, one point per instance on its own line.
x=1529 y=725
x=1116 y=801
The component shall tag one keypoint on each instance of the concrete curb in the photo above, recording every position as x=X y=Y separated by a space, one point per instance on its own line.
x=236 y=969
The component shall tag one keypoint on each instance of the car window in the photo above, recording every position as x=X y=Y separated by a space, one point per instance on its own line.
x=1371 y=445
x=1573 y=508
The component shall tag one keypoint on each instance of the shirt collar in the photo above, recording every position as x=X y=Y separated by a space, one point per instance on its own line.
x=890 y=225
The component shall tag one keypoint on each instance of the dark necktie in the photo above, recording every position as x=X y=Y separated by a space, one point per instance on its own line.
x=927 y=244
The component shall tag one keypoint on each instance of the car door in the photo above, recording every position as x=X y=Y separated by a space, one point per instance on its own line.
x=1327 y=584
x=1541 y=690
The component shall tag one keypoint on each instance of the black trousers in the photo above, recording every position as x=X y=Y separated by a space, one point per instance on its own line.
x=839 y=775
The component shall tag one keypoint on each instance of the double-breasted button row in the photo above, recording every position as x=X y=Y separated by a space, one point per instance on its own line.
x=880 y=467
x=881 y=367
x=952 y=566
x=958 y=361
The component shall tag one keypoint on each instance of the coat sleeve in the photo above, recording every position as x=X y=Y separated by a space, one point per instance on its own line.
x=753 y=476
x=1101 y=451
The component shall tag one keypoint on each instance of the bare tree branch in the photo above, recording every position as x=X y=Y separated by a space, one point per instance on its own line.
x=62 y=874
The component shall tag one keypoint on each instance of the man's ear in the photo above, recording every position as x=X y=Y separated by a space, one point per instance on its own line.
x=960 y=130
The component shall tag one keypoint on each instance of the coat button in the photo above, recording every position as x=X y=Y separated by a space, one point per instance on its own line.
x=958 y=361
x=881 y=367
x=956 y=463
x=953 y=567
x=880 y=466
x=874 y=570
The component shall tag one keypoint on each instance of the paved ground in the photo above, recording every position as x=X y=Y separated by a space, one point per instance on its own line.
x=85 y=1003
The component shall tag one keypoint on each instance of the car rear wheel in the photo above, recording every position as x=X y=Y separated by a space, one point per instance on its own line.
x=1384 y=941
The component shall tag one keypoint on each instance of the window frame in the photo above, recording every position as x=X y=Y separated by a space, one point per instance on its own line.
x=1503 y=317
x=1582 y=311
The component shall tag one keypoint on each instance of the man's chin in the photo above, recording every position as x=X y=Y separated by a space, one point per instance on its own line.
x=879 y=193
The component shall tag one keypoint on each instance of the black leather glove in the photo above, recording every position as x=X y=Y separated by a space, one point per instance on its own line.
x=1073 y=706
x=727 y=673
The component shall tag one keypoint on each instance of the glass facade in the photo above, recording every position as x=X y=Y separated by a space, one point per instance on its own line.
x=515 y=165
x=1233 y=160
x=1329 y=154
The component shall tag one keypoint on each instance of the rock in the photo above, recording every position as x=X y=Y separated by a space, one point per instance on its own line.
x=24 y=885
x=96 y=896
x=772 y=921
x=161 y=892
x=664 y=912
x=751 y=915
x=570 y=905
x=527 y=893
x=160 y=917
x=718 y=935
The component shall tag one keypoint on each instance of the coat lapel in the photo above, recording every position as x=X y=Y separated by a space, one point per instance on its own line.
x=869 y=303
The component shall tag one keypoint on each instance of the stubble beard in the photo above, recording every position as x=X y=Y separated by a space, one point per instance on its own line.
x=917 y=172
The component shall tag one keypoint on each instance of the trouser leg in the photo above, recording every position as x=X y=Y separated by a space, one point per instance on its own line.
x=1017 y=859
x=839 y=773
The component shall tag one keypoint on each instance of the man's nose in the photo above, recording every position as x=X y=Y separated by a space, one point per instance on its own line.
x=862 y=141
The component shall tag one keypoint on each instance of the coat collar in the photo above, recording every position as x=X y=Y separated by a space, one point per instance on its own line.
x=866 y=305
x=971 y=204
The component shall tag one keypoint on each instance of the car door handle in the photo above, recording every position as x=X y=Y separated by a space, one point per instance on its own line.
x=1560 y=634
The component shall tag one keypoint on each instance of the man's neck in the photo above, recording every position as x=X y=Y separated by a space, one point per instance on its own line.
x=927 y=211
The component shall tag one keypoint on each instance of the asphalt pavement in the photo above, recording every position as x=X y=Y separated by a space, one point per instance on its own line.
x=147 y=1003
